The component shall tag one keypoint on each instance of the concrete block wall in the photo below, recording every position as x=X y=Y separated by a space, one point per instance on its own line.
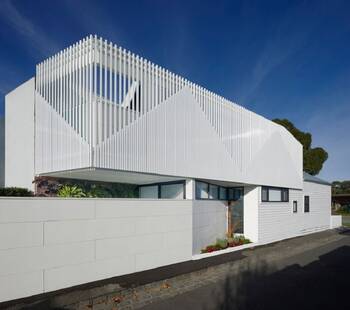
x=209 y=222
x=48 y=244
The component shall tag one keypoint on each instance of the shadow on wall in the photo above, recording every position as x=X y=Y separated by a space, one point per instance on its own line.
x=322 y=284
x=2 y=151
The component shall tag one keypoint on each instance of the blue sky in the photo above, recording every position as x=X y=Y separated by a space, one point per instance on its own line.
x=285 y=59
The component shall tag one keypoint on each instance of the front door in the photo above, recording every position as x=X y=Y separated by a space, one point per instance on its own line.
x=236 y=210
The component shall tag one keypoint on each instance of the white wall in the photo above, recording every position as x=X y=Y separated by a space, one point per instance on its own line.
x=2 y=151
x=209 y=222
x=49 y=244
x=176 y=128
x=19 y=142
x=251 y=212
x=277 y=220
x=336 y=221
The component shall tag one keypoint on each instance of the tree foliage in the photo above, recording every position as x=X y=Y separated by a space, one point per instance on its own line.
x=341 y=187
x=313 y=158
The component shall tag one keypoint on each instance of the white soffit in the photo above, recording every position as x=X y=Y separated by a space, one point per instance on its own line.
x=115 y=176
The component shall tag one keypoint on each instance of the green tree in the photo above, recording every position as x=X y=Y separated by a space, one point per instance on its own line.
x=314 y=158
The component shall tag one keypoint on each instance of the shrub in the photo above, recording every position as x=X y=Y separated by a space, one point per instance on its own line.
x=15 y=191
x=71 y=191
x=222 y=243
x=98 y=192
x=210 y=248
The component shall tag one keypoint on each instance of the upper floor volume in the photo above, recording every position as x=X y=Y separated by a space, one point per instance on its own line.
x=98 y=107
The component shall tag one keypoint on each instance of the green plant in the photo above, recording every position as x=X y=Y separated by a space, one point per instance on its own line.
x=98 y=192
x=221 y=243
x=71 y=191
x=15 y=191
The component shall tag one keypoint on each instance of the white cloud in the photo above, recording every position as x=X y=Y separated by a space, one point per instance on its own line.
x=26 y=29
x=288 y=37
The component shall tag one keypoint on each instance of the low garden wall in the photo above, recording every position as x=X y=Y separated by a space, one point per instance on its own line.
x=48 y=244
x=336 y=221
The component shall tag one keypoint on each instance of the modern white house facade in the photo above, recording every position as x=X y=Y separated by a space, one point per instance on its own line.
x=97 y=112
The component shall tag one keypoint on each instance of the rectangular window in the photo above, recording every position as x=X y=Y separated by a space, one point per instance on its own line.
x=172 y=191
x=202 y=190
x=223 y=193
x=274 y=194
x=264 y=194
x=213 y=192
x=306 y=204
x=149 y=192
x=285 y=194
x=295 y=206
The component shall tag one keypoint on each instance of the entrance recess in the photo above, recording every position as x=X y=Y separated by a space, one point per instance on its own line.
x=235 y=210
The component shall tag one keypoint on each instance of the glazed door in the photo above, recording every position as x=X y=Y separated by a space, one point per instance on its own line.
x=236 y=210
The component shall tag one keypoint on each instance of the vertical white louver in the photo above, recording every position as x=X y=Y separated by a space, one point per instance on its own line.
x=94 y=100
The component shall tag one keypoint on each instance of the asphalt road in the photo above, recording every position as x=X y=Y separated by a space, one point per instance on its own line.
x=316 y=279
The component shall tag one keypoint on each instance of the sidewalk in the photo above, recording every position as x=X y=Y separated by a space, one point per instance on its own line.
x=158 y=287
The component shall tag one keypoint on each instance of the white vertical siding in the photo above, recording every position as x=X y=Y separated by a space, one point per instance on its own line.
x=110 y=97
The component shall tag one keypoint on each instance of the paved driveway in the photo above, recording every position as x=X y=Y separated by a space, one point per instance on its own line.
x=313 y=279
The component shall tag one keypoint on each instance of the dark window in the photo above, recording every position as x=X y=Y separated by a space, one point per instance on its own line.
x=223 y=193
x=230 y=194
x=295 y=206
x=306 y=203
x=265 y=194
x=285 y=194
x=274 y=194
x=213 y=192
x=202 y=190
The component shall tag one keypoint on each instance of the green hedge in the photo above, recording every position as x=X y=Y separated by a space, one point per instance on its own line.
x=15 y=191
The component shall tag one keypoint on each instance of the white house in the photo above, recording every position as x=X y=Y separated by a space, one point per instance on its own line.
x=2 y=151
x=97 y=112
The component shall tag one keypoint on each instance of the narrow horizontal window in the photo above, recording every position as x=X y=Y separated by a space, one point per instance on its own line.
x=223 y=193
x=172 y=191
x=274 y=194
x=149 y=191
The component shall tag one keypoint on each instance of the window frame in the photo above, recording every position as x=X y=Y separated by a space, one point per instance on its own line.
x=295 y=206
x=159 y=185
x=307 y=210
x=284 y=191
x=219 y=187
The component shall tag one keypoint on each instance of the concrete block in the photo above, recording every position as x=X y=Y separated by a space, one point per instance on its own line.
x=68 y=276
x=76 y=231
x=23 y=260
x=36 y=210
x=21 y=285
x=16 y=235
x=108 y=248
x=178 y=238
